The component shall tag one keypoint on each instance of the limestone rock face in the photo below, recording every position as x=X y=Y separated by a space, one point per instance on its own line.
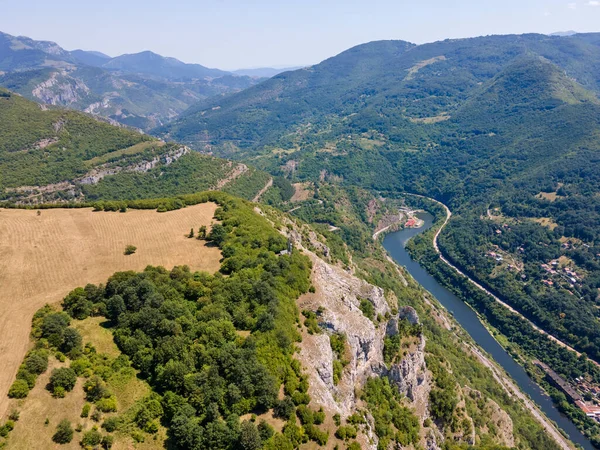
x=337 y=298
x=410 y=375
x=60 y=89
x=95 y=175
x=339 y=294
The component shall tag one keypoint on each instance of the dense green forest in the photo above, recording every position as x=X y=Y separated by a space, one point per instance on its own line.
x=503 y=123
x=43 y=147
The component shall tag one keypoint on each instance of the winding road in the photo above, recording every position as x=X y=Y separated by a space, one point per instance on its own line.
x=479 y=286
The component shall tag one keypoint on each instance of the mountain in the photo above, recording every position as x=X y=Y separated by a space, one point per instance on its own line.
x=90 y=58
x=143 y=90
x=363 y=356
x=263 y=72
x=502 y=129
x=563 y=33
x=149 y=63
x=60 y=156
x=393 y=79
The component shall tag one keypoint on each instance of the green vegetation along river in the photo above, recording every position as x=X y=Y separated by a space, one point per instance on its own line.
x=395 y=244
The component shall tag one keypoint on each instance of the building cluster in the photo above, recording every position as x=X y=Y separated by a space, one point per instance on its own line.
x=567 y=273
x=572 y=394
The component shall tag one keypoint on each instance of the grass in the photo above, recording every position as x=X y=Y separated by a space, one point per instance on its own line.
x=546 y=222
x=62 y=249
x=93 y=330
x=133 y=150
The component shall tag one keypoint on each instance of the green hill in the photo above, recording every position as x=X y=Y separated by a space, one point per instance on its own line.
x=391 y=86
x=58 y=155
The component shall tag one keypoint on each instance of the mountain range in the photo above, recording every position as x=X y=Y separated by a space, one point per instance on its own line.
x=504 y=130
x=141 y=90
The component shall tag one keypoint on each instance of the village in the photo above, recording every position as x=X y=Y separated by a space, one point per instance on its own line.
x=585 y=394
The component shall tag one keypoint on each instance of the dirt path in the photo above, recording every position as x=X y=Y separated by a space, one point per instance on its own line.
x=263 y=190
x=44 y=257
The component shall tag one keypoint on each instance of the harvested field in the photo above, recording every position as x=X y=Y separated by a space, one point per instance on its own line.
x=42 y=258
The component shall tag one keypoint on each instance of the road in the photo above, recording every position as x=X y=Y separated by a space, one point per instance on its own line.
x=479 y=286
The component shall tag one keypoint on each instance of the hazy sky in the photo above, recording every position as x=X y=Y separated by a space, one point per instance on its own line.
x=231 y=34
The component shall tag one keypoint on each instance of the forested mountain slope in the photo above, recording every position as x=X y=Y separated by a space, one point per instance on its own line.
x=142 y=90
x=504 y=129
x=58 y=155
x=391 y=86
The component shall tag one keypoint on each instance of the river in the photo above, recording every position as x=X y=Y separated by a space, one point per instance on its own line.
x=395 y=244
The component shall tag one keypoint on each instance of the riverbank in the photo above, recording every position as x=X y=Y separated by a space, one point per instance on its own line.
x=465 y=315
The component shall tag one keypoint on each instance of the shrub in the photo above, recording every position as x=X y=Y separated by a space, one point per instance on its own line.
x=28 y=377
x=36 y=363
x=111 y=424
x=63 y=377
x=367 y=309
x=19 y=389
x=85 y=411
x=96 y=415
x=107 y=442
x=91 y=438
x=94 y=389
x=284 y=409
x=346 y=432
x=14 y=415
x=107 y=404
x=130 y=250
x=59 y=392
x=64 y=432
x=80 y=365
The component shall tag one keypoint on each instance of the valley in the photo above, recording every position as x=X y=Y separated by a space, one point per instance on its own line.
x=195 y=258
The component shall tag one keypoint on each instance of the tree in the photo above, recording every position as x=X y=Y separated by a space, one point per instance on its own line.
x=115 y=306
x=202 y=232
x=217 y=234
x=249 y=436
x=36 y=363
x=130 y=250
x=191 y=235
x=77 y=304
x=64 y=432
x=63 y=377
x=71 y=340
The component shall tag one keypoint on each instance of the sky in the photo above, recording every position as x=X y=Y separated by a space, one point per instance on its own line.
x=232 y=34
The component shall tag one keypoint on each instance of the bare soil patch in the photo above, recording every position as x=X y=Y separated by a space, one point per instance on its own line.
x=303 y=191
x=42 y=258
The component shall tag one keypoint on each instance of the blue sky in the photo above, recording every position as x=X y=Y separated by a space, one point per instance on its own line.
x=232 y=34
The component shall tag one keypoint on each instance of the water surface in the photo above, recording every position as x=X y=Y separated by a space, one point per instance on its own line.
x=395 y=244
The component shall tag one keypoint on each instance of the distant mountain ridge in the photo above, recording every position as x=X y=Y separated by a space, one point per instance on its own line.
x=394 y=82
x=264 y=72
x=142 y=90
